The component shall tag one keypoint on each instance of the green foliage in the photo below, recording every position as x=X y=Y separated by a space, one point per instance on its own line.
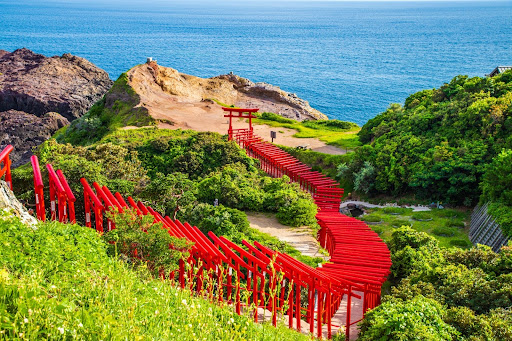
x=57 y=282
x=416 y=319
x=443 y=231
x=333 y=132
x=497 y=188
x=221 y=220
x=170 y=193
x=269 y=116
x=406 y=236
x=438 y=145
x=335 y=125
x=118 y=108
x=468 y=324
x=298 y=212
x=365 y=178
x=372 y=218
x=139 y=241
x=235 y=186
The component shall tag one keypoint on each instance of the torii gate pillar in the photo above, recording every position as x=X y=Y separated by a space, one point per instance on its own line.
x=240 y=113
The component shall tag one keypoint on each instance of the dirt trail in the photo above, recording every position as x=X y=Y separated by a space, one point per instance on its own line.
x=298 y=237
x=302 y=240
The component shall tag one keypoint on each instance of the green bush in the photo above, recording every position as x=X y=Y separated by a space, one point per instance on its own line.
x=444 y=231
x=407 y=236
x=400 y=222
x=438 y=145
x=416 y=319
x=371 y=218
x=276 y=118
x=139 y=241
x=421 y=216
x=396 y=210
x=335 y=125
x=298 y=213
x=455 y=223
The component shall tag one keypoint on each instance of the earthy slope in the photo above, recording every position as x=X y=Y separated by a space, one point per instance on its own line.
x=187 y=101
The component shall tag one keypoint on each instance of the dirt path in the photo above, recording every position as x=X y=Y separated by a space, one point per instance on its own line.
x=298 y=237
x=302 y=240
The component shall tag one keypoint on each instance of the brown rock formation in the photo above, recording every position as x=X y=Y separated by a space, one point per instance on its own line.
x=37 y=84
x=162 y=83
x=34 y=88
x=25 y=131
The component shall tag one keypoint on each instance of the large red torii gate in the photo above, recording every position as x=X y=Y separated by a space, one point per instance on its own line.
x=240 y=113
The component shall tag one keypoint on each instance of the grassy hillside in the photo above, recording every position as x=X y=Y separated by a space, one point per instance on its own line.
x=117 y=109
x=57 y=282
x=333 y=132
x=438 y=144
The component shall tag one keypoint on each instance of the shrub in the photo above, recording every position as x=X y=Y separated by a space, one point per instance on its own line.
x=407 y=236
x=276 y=118
x=371 y=218
x=399 y=222
x=444 y=231
x=298 y=213
x=422 y=216
x=416 y=319
x=469 y=325
x=396 y=210
x=455 y=223
x=140 y=241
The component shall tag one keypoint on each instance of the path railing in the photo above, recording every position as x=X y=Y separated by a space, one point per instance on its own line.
x=358 y=254
x=251 y=277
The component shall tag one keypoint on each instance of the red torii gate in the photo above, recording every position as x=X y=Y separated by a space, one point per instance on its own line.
x=240 y=113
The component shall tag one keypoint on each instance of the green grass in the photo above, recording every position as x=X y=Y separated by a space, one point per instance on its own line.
x=332 y=132
x=57 y=282
x=447 y=225
x=118 y=108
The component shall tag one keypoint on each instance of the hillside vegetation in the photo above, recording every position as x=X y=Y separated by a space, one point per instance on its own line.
x=58 y=283
x=439 y=143
x=443 y=294
x=181 y=173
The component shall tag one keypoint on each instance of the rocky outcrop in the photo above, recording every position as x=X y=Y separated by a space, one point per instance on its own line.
x=25 y=132
x=287 y=104
x=11 y=205
x=37 y=84
x=232 y=90
x=34 y=88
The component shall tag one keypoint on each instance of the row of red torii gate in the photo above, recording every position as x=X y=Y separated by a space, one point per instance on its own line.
x=252 y=277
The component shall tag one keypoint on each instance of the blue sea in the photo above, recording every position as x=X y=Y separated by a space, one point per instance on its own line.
x=350 y=60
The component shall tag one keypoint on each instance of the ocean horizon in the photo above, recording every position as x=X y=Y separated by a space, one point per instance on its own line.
x=350 y=60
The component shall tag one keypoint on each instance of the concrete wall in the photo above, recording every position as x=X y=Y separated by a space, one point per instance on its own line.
x=484 y=229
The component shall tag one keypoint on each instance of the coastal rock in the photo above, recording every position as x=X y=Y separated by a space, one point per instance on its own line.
x=36 y=84
x=26 y=131
x=229 y=89
x=34 y=88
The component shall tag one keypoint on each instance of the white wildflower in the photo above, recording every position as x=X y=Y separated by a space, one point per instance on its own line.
x=184 y=301
x=25 y=320
x=61 y=330
x=29 y=312
x=80 y=325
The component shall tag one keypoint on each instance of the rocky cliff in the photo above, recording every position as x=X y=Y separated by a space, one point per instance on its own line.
x=26 y=131
x=232 y=90
x=32 y=86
